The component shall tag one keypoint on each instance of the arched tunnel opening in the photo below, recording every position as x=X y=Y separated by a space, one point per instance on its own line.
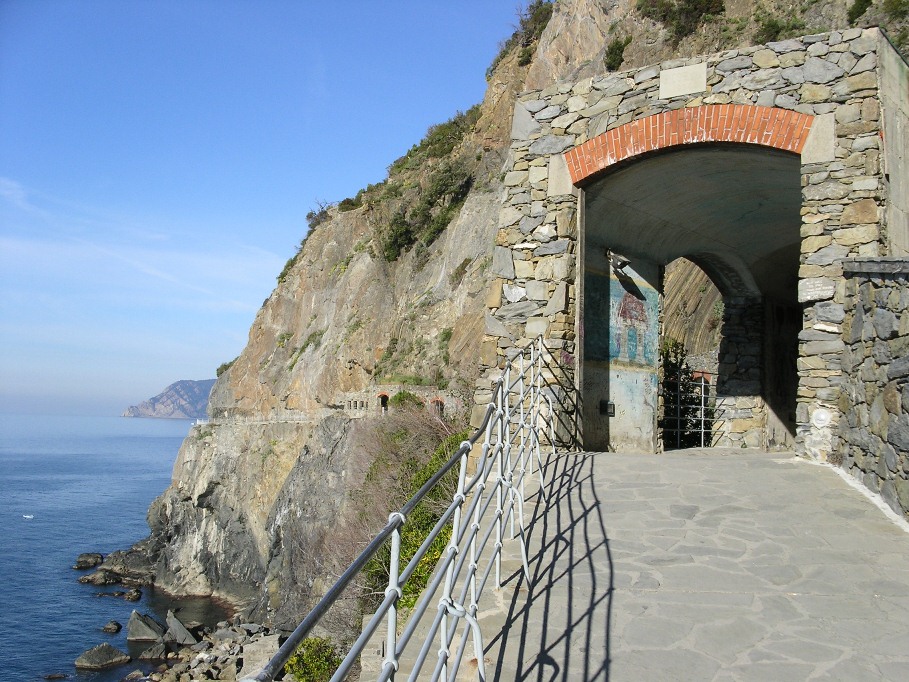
x=732 y=213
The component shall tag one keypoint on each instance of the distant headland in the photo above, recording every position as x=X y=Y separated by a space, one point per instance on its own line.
x=185 y=399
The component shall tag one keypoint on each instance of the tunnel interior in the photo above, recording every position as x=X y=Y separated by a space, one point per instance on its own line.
x=734 y=211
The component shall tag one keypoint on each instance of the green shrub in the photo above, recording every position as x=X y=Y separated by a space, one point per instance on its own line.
x=287 y=267
x=444 y=340
x=353 y=327
x=615 y=51
x=448 y=188
x=532 y=22
x=386 y=361
x=398 y=237
x=658 y=10
x=525 y=56
x=458 y=273
x=224 y=366
x=350 y=204
x=896 y=9
x=318 y=215
x=857 y=9
x=440 y=140
x=405 y=399
x=716 y=315
x=341 y=266
x=315 y=660
x=420 y=522
x=436 y=207
x=314 y=339
x=773 y=28
x=680 y=17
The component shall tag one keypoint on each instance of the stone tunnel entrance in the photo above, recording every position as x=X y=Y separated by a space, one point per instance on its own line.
x=770 y=168
x=734 y=211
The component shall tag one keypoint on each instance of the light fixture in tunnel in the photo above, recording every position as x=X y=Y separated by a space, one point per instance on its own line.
x=617 y=261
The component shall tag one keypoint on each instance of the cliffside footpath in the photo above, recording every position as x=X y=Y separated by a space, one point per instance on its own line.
x=388 y=292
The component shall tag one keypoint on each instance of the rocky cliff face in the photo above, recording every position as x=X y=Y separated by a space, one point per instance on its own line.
x=186 y=399
x=256 y=493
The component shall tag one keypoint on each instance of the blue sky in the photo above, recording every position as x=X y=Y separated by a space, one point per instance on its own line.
x=158 y=159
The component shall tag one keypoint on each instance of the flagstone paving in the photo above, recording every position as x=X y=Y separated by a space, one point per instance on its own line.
x=702 y=565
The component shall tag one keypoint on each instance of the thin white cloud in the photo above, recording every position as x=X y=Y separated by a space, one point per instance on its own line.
x=232 y=279
x=15 y=194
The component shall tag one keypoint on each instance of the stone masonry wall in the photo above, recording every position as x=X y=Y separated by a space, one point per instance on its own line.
x=740 y=416
x=830 y=77
x=874 y=429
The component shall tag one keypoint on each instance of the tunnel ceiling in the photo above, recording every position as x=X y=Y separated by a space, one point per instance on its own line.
x=734 y=206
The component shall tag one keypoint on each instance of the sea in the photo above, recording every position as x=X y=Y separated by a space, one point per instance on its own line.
x=70 y=485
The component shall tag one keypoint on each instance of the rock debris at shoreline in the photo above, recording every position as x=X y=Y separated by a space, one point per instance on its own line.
x=187 y=652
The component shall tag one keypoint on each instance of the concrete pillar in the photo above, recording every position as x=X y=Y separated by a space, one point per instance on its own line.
x=621 y=355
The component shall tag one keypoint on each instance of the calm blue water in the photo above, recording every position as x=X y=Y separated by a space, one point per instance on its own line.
x=87 y=482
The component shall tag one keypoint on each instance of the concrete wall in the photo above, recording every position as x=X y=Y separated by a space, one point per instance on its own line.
x=874 y=430
x=894 y=87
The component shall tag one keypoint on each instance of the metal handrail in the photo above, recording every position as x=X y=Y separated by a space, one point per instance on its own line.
x=517 y=423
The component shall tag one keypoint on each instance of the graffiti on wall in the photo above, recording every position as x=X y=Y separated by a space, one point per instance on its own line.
x=620 y=320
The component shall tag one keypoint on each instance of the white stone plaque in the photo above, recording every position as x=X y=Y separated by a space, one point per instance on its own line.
x=816 y=289
x=685 y=80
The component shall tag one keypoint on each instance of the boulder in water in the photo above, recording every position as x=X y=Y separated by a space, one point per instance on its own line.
x=112 y=627
x=143 y=628
x=87 y=560
x=156 y=652
x=177 y=632
x=100 y=577
x=100 y=657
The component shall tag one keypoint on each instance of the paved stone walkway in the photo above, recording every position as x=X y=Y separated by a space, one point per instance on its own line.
x=703 y=565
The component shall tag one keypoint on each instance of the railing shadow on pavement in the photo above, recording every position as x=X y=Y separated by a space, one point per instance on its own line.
x=561 y=389
x=545 y=639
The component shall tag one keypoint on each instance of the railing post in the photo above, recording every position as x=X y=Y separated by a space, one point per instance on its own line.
x=538 y=402
x=449 y=573
x=504 y=437
x=522 y=442
x=394 y=564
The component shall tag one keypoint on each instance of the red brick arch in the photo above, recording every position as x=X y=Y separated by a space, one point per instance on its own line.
x=767 y=126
